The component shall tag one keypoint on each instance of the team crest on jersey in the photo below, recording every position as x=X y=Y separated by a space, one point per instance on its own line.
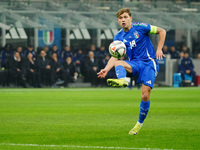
x=136 y=34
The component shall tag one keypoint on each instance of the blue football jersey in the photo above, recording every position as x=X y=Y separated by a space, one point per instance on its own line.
x=137 y=41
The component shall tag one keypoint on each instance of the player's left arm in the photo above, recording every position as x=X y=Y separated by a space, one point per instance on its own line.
x=162 y=34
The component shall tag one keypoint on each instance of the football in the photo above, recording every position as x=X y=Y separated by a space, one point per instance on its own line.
x=117 y=49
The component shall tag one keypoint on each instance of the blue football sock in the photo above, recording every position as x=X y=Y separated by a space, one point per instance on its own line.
x=120 y=72
x=144 y=108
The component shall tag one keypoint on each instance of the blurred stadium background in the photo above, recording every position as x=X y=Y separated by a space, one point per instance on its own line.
x=80 y=23
x=97 y=118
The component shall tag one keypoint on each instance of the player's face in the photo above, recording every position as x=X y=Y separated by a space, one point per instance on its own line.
x=125 y=21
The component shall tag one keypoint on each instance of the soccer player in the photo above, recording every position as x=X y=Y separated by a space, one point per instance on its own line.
x=142 y=59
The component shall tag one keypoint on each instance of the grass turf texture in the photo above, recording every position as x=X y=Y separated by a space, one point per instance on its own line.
x=98 y=117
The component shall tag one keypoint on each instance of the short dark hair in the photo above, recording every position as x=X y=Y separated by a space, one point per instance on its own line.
x=186 y=52
x=123 y=10
x=15 y=52
x=30 y=46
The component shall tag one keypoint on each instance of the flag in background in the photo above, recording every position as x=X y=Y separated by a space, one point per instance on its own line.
x=49 y=38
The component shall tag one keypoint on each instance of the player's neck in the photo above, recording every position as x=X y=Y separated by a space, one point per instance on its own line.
x=127 y=29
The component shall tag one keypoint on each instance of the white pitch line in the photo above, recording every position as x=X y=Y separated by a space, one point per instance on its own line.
x=78 y=146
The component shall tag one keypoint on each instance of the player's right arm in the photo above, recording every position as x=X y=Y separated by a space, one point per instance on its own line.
x=111 y=63
x=103 y=72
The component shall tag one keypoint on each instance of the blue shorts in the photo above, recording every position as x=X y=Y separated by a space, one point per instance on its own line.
x=146 y=71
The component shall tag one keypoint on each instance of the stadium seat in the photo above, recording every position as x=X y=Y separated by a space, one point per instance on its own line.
x=197 y=81
x=188 y=78
x=177 y=80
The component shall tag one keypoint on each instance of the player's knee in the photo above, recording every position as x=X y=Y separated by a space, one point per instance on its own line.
x=145 y=96
x=121 y=63
x=124 y=64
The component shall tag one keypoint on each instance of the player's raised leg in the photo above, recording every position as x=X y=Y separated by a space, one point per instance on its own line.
x=121 y=69
x=144 y=109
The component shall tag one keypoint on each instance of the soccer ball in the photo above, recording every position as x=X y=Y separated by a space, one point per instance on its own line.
x=117 y=49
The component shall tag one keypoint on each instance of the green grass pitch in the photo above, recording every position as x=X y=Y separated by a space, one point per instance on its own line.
x=98 y=118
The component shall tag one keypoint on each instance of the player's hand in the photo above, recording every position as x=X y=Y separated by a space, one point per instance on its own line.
x=159 y=54
x=102 y=73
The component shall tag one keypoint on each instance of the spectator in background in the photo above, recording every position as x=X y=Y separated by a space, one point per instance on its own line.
x=184 y=49
x=102 y=52
x=181 y=54
x=165 y=50
x=78 y=58
x=181 y=57
x=31 y=71
x=39 y=49
x=69 y=71
x=46 y=49
x=180 y=60
x=57 y=70
x=2 y=74
x=18 y=69
x=174 y=53
x=187 y=67
x=20 y=50
x=67 y=53
x=44 y=68
x=93 y=49
x=91 y=68
x=198 y=56
x=0 y=61
x=30 y=50
x=55 y=50
x=7 y=53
